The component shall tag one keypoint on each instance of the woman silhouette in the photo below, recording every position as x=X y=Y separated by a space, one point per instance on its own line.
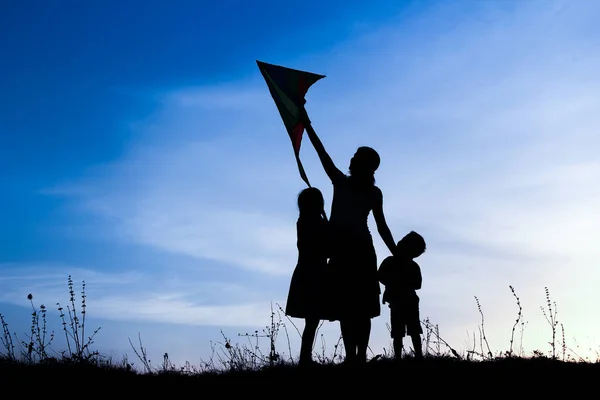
x=355 y=296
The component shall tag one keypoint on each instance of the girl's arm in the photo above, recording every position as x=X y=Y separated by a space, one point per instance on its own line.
x=304 y=240
x=330 y=169
x=382 y=226
x=299 y=237
x=307 y=241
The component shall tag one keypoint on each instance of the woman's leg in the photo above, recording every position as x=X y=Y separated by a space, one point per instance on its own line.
x=363 y=331
x=308 y=339
x=347 y=327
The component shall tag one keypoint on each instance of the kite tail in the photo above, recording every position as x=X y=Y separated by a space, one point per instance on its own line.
x=302 y=173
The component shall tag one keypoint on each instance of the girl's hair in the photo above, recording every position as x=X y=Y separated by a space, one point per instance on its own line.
x=310 y=201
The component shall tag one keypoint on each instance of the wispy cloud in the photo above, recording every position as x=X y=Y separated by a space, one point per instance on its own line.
x=135 y=296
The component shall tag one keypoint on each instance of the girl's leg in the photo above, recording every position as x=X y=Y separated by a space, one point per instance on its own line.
x=308 y=339
x=363 y=330
x=348 y=336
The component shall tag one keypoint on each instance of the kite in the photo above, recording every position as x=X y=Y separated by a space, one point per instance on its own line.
x=288 y=87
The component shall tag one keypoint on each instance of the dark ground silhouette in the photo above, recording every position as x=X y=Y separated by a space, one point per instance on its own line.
x=520 y=378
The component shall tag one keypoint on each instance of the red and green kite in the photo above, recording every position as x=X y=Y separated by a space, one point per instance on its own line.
x=288 y=88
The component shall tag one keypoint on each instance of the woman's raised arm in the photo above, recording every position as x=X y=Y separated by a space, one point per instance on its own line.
x=330 y=169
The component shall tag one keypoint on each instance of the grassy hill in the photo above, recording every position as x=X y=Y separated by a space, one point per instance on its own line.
x=32 y=368
x=517 y=377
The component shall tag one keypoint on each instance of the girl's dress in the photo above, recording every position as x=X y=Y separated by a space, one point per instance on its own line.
x=355 y=290
x=306 y=296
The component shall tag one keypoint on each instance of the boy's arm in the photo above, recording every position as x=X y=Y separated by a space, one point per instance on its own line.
x=418 y=277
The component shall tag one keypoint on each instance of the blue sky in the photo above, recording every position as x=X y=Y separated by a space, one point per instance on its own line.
x=141 y=152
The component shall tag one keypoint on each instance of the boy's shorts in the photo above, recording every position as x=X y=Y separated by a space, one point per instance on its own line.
x=405 y=319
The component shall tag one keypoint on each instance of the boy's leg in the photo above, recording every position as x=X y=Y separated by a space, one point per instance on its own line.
x=397 y=331
x=416 y=342
x=415 y=330
x=397 y=348
x=308 y=339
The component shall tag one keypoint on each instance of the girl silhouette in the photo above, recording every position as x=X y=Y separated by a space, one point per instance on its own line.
x=306 y=295
x=353 y=261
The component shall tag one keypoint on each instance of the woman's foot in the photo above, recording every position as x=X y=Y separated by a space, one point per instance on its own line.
x=307 y=362
x=353 y=361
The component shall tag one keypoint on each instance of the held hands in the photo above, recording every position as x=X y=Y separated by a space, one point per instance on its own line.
x=395 y=252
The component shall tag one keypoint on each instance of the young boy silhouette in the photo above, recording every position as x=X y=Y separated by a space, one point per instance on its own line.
x=401 y=276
